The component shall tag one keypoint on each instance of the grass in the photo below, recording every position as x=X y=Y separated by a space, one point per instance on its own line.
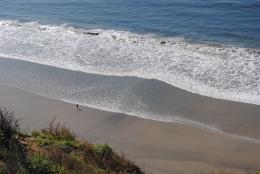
x=55 y=150
x=56 y=135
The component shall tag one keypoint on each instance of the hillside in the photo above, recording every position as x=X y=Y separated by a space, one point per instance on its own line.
x=55 y=149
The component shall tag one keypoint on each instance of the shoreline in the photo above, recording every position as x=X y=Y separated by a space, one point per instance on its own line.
x=149 y=99
x=212 y=85
x=190 y=123
x=155 y=148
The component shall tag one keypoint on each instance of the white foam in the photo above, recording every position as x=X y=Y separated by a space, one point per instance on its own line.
x=230 y=73
x=113 y=107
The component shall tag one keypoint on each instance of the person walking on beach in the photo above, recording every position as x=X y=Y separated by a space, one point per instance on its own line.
x=77 y=106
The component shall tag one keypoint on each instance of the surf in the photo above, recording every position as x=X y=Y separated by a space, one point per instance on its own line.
x=213 y=70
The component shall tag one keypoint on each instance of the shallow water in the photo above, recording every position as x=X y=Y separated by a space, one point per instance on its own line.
x=150 y=99
x=217 y=71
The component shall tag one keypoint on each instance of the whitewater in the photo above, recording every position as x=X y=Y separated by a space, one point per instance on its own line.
x=217 y=71
x=209 y=69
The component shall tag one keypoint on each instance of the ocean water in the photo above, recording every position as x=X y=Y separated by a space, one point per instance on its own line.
x=212 y=48
x=222 y=21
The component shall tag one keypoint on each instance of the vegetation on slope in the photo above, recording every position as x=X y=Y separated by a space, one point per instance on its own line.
x=55 y=150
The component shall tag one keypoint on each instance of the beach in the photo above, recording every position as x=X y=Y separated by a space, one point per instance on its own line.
x=159 y=147
x=143 y=98
x=172 y=85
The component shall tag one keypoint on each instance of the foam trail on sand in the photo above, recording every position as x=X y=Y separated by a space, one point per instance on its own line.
x=175 y=119
x=169 y=118
x=217 y=71
x=129 y=95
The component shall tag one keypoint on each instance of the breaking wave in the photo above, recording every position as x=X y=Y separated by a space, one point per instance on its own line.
x=212 y=70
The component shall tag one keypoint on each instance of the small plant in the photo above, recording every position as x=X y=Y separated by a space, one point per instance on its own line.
x=9 y=128
x=108 y=161
x=59 y=131
x=73 y=162
x=12 y=151
x=35 y=133
x=39 y=164
x=56 y=135
x=102 y=150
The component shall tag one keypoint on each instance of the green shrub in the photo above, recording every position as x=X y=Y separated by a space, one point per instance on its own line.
x=35 y=133
x=59 y=131
x=45 y=138
x=12 y=151
x=39 y=164
x=73 y=162
x=9 y=128
x=56 y=135
x=102 y=150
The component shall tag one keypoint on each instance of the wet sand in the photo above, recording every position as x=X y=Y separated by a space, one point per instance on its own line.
x=156 y=99
x=158 y=146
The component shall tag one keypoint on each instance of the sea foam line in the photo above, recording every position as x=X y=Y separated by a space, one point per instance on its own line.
x=222 y=72
x=151 y=116
x=219 y=72
x=216 y=71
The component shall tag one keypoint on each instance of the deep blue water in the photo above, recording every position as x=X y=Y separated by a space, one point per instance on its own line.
x=235 y=22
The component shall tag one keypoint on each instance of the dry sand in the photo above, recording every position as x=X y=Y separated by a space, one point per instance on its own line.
x=159 y=147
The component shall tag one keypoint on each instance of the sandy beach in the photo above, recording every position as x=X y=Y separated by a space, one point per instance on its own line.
x=157 y=146
x=172 y=85
x=145 y=98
